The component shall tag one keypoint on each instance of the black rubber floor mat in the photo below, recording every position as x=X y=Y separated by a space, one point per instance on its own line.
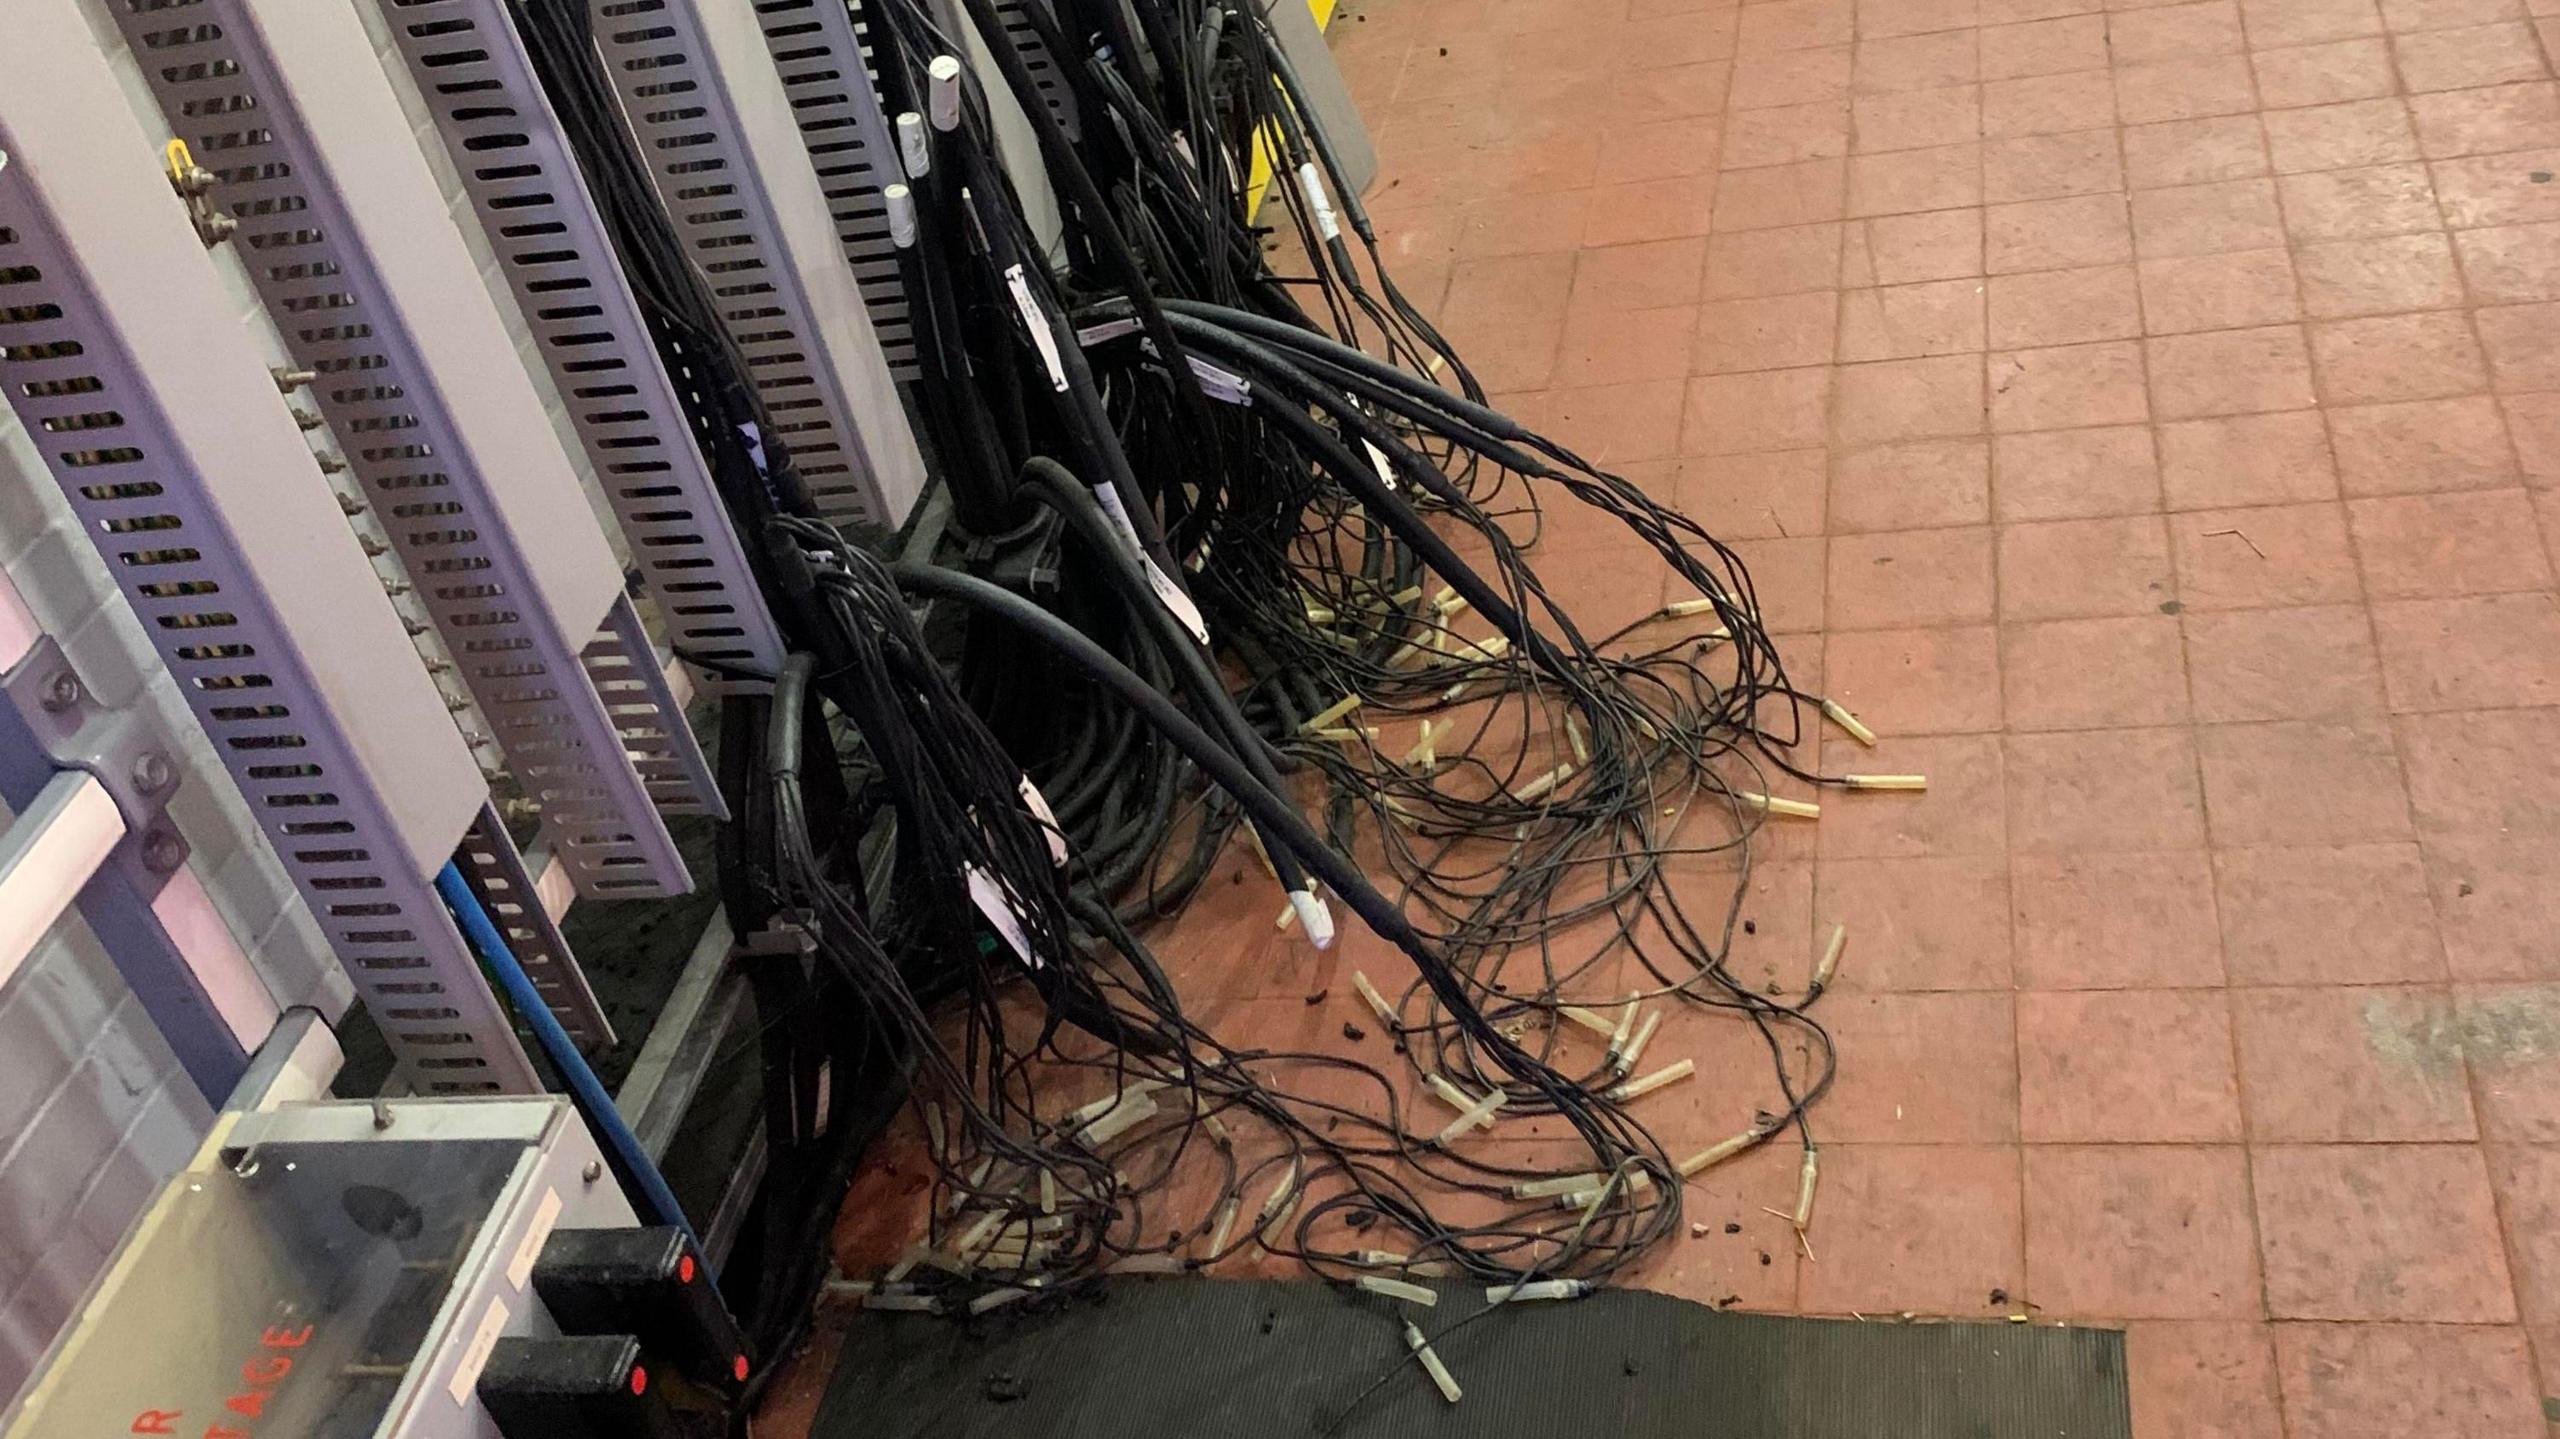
x=1201 y=1359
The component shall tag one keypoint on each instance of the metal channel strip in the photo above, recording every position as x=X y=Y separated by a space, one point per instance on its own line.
x=495 y=866
x=623 y=668
x=1039 y=63
x=228 y=100
x=552 y=247
x=817 y=46
x=684 y=119
x=133 y=470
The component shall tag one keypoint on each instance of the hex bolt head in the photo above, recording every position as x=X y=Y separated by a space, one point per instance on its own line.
x=151 y=771
x=163 y=851
x=62 y=691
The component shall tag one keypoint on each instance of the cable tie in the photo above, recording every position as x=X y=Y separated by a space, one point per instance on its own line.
x=1431 y=1365
x=1791 y=808
x=1398 y=1289
x=1885 y=781
x=1639 y=1088
x=1834 y=711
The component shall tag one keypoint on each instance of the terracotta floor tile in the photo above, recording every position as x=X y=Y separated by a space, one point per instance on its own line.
x=2351 y=1065
x=2076 y=474
x=2044 y=47
x=2184 y=89
x=1917 y=119
x=2375 y=1381
x=2076 y=230
x=2120 y=921
x=1785 y=134
x=2152 y=1232
x=2533 y=423
x=1922 y=1069
x=1766 y=410
x=2491 y=897
x=1907 y=400
x=2423 y=445
x=1930 y=1228
x=1805 y=193
x=2229 y=372
x=2495 y=189
x=2397 y=357
x=1635 y=277
x=2486 y=121
x=2461 y=59
x=2528 y=1185
x=1910 y=577
x=1917 y=925
x=2201 y=1379
x=2329 y=914
x=2127 y=1066
x=2093 y=674
x=2218 y=292
x=1769 y=332
x=2194 y=152
x=1772 y=262
x=1787 y=576
x=2523 y=352
x=1609 y=347
x=2309 y=663
x=2510 y=264
x=2302 y=782
x=2485 y=650
x=2340 y=137
x=2170 y=32
x=2047 y=104
x=2378 y=276
x=1959 y=814
x=2405 y=16
x=1897 y=322
x=2064 y=307
x=2071 y=569
x=1755 y=496
x=1907 y=180
x=1917 y=681
x=2067 y=387
x=2347 y=204
x=2483 y=772
x=2324 y=74
x=2040 y=167
x=2302 y=22
x=2402 y=1232
x=2433 y=546
x=1912 y=17
x=1663 y=150
x=1889 y=64
x=1610 y=424
x=2207 y=219
x=1914 y=485
x=2246 y=460
x=1717 y=1266
x=2506 y=1032
x=2101 y=790
x=1906 y=249
x=1795 y=25
x=2272 y=555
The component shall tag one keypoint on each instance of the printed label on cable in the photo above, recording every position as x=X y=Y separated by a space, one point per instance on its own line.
x=1092 y=335
x=1168 y=593
x=988 y=895
x=1378 y=460
x=1042 y=338
x=1313 y=184
x=1038 y=803
x=1221 y=384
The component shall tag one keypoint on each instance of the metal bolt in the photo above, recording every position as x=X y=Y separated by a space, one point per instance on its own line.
x=216 y=228
x=62 y=691
x=163 y=851
x=306 y=420
x=349 y=505
x=151 y=771
x=330 y=465
x=381 y=1115
x=288 y=381
x=593 y=1172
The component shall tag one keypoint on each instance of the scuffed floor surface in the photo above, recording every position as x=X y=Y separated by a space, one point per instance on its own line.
x=2146 y=418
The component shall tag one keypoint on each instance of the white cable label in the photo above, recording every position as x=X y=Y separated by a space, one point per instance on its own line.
x=1038 y=803
x=988 y=895
x=1313 y=184
x=1220 y=383
x=1042 y=338
x=1168 y=593
x=1378 y=461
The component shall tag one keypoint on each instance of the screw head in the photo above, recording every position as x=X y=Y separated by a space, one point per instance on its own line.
x=593 y=1172
x=151 y=770
x=62 y=691
x=163 y=851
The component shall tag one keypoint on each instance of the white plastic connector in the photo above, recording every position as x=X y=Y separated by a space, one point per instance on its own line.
x=1314 y=916
x=902 y=214
x=1119 y=1120
x=1048 y=1191
x=1588 y=1019
x=1398 y=1289
x=1326 y=716
x=1838 y=714
x=1425 y=752
x=1682 y=609
x=1791 y=808
x=1380 y=1259
x=1218 y=1231
x=995 y=1299
x=1635 y=1046
x=1805 y=1179
x=1626 y=1025
x=1318 y=202
x=1536 y=789
x=1282 y=1199
x=1086 y=1114
x=1481 y=1112
x=1574 y=736
x=942 y=89
x=915 y=147
x=1636 y=1183
x=1431 y=1365
x=1377 y=1002
x=1560 y=1184
x=1639 y=1088
x=1885 y=781
x=1717 y=1153
x=1830 y=957
x=1536 y=1290
x=1450 y=1094
x=1149 y=1264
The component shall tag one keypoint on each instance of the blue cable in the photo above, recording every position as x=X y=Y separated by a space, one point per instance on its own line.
x=585 y=1090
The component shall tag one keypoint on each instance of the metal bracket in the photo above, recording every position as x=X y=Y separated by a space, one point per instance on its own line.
x=64 y=727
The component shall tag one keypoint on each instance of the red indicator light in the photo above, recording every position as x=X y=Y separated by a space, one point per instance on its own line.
x=738 y=1367
x=639 y=1380
x=684 y=1268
